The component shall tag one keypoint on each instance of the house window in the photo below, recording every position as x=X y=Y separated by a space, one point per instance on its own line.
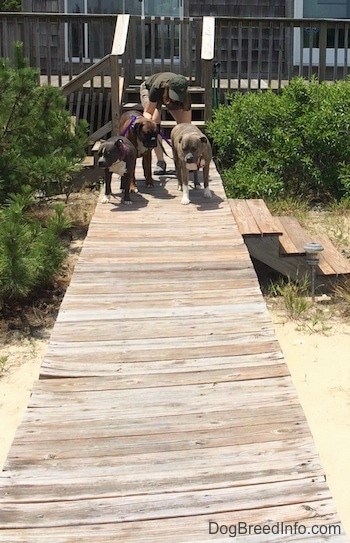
x=157 y=37
x=336 y=38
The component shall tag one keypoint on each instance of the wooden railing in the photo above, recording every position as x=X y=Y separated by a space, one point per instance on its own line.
x=269 y=52
x=95 y=53
x=111 y=64
x=270 y=49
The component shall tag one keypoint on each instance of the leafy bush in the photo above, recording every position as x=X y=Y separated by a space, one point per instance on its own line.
x=30 y=253
x=290 y=144
x=10 y=5
x=37 y=143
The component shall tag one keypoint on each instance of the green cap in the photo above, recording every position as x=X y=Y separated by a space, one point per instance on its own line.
x=178 y=88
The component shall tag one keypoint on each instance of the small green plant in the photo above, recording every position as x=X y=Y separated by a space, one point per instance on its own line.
x=3 y=362
x=342 y=291
x=294 y=296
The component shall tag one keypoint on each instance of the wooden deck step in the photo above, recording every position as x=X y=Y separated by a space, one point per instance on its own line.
x=295 y=237
x=279 y=242
x=88 y=162
x=253 y=217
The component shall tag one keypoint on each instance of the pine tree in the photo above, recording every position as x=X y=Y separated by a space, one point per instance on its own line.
x=37 y=144
x=38 y=153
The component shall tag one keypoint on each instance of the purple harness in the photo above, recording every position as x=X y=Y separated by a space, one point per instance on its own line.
x=131 y=124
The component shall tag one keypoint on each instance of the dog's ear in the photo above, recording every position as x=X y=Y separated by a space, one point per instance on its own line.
x=204 y=139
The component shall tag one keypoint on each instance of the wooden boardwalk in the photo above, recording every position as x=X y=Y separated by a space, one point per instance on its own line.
x=164 y=411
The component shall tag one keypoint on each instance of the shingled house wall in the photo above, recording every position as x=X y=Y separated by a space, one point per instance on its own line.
x=196 y=8
x=237 y=8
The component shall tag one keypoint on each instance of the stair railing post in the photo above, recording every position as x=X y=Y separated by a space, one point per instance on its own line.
x=207 y=56
x=118 y=49
x=115 y=106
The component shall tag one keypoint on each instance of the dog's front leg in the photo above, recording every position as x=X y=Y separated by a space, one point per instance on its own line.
x=108 y=190
x=126 y=183
x=185 y=189
x=207 y=191
x=147 y=168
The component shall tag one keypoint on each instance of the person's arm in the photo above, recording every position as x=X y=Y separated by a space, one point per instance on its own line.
x=149 y=110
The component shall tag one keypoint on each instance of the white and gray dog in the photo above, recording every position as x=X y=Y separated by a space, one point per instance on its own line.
x=192 y=151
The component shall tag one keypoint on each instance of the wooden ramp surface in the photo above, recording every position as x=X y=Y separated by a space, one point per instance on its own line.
x=164 y=411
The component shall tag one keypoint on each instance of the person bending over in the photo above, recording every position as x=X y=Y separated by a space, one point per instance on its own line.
x=167 y=89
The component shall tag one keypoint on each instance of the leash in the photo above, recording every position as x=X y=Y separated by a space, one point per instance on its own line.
x=163 y=136
x=130 y=125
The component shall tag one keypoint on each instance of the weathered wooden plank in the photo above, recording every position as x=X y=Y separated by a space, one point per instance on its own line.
x=263 y=217
x=68 y=455
x=65 y=476
x=243 y=217
x=169 y=327
x=163 y=299
x=215 y=394
x=300 y=237
x=118 y=424
x=296 y=234
x=151 y=506
x=332 y=256
x=196 y=528
x=58 y=359
x=240 y=366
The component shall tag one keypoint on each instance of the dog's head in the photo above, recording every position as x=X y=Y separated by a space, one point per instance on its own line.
x=194 y=150
x=112 y=150
x=146 y=131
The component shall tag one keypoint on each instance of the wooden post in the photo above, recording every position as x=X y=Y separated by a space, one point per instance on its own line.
x=118 y=49
x=207 y=55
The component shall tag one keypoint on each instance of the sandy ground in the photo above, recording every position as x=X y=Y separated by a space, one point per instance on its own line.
x=22 y=367
x=320 y=369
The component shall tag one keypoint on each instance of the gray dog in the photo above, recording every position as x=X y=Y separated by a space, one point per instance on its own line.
x=192 y=151
x=118 y=155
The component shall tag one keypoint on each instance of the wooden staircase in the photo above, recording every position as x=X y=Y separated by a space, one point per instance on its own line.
x=132 y=101
x=279 y=243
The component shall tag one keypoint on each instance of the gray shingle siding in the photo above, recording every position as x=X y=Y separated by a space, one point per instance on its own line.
x=238 y=8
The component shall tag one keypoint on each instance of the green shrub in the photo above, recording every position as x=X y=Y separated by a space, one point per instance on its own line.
x=290 y=144
x=10 y=5
x=30 y=253
x=37 y=144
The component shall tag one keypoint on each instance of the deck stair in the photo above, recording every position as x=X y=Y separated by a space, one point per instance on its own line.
x=132 y=101
x=279 y=243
